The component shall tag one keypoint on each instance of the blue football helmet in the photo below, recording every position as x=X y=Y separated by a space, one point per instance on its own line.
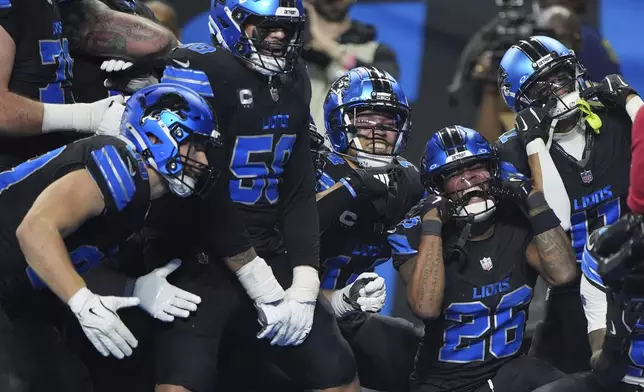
x=229 y=18
x=364 y=90
x=540 y=69
x=448 y=153
x=159 y=119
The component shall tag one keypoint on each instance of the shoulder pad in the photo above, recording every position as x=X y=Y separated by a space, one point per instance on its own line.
x=118 y=172
x=185 y=67
x=198 y=47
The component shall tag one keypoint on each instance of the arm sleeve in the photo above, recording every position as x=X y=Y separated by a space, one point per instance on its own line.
x=332 y=205
x=10 y=20
x=404 y=241
x=300 y=216
x=636 y=189
x=385 y=59
x=594 y=301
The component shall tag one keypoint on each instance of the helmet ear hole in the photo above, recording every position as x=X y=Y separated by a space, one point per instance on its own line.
x=153 y=138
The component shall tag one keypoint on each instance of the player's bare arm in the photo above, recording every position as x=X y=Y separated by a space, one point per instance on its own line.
x=18 y=115
x=406 y=270
x=427 y=283
x=596 y=340
x=59 y=210
x=95 y=29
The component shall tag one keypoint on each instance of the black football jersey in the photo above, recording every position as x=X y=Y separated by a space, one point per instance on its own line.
x=598 y=185
x=122 y=178
x=265 y=129
x=357 y=241
x=485 y=303
x=42 y=68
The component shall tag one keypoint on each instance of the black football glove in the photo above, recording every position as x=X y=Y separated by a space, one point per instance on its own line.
x=533 y=122
x=623 y=318
x=436 y=202
x=619 y=251
x=611 y=89
x=369 y=183
x=515 y=188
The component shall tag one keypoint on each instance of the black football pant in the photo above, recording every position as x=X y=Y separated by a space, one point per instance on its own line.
x=586 y=382
x=221 y=334
x=384 y=349
x=562 y=338
x=33 y=352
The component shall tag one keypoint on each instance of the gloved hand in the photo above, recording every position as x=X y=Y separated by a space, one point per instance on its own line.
x=128 y=84
x=516 y=188
x=111 y=120
x=366 y=294
x=162 y=300
x=623 y=316
x=368 y=183
x=440 y=204
x=101 y=324
x=534 y=122
x=301 y=298
x=115 y=65
x=611 y=89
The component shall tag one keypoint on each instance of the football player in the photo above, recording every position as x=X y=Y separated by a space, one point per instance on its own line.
x=581 y=137
x=261 y=95
x=36 y=73
x=611 y=290
x=365 y=189
x=64 y=211
x=480 y=245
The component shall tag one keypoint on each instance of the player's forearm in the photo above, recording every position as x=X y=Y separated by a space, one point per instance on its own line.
x=558 y=260
x=636 y=187
x=19 y=116
x=425 y=290
x=302 y=231
x=235 y=263
x=45 y=251
x=100 y=31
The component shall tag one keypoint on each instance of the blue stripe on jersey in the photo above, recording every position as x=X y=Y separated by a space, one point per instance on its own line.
x=193 y=79
x=325 y=182
x=349 y=187
x=400 y=245
x=24 y=170
x=116 y=174
x=5 y=3
x=589 y=268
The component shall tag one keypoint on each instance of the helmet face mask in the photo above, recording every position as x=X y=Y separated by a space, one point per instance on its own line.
x=367 y=117
x=559 y=84
x=460 y=165
x=265 y=34
x=173 y=128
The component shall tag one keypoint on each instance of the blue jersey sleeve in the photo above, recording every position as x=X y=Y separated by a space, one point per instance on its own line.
x=589 y=265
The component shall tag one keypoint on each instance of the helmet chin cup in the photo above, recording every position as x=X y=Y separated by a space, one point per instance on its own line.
x=566 y=106
x=366 y=160
x=182 y=187
x=266 y=65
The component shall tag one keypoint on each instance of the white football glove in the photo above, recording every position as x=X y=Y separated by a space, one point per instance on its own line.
x=272 y=317
x=111 y=120
x=81 y=117
x=301 y=298
x=101 y=324
x=115 y=65
x=367 y=293
x=162 y=300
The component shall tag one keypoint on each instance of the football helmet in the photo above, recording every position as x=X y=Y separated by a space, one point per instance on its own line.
x=160 y=118
x=537 y=70
x=227 y=22
x=448 y=154
x=367 y=90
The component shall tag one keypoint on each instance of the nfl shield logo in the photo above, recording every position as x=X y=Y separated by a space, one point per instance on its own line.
x=486 y=263
x=586 y=176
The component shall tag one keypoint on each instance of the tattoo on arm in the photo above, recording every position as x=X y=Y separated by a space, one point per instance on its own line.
x=93 y=28
x=425 y=290
x=558 y=260
x=235 y=263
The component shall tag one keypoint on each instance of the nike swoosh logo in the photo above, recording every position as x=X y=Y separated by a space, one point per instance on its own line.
x=612 y=329
x=184 y=65
x=525 y=126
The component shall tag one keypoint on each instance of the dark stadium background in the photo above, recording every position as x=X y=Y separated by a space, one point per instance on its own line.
x=428 y=37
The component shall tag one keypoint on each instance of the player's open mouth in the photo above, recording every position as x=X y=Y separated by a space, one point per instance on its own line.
x=474 y=199
x=380 y=145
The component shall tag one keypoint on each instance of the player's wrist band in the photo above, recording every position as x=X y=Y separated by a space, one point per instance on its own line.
x=542 y=217
x=432 y=227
